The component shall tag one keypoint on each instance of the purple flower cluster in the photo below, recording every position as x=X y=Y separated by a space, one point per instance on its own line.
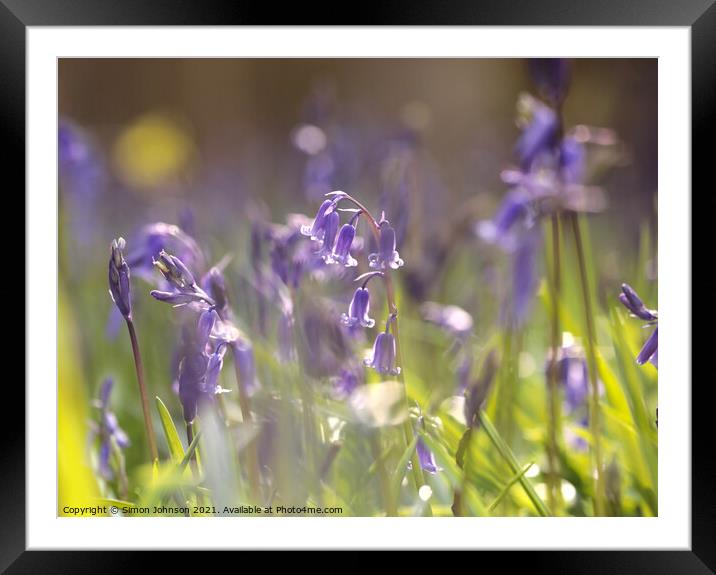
x=553 y=165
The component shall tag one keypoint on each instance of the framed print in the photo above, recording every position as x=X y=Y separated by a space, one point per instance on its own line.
x=324 y=286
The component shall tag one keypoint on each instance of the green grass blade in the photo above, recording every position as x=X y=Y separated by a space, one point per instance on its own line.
x=511 y=461
x=509 y=485
x=170 y=432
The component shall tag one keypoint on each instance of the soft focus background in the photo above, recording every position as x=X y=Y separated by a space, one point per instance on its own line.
x=216 y=146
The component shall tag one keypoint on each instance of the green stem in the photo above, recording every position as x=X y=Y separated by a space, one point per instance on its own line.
x=594 y=416
x=506 y=453
x=388 y=500
x=143 y=391
x=553 y=406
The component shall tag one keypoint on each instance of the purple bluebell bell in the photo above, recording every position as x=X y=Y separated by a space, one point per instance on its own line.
x=630 y=300
x=540 y=132
x=213 y=369
x=573 y=376
x=200 y=366
x=650 y=351
x=207 y=319
x=119 y=288
x=426 y=457
x=182 y=280
x=341 y=253
x=317 y=229
x=387 y=256
x=330 y=231
x=192 y=371
x=633 y=303
x=346 y=382
x=215 y=285
x=382 y=358
x=572 y=160
x=156 y=237
x=244 y=357
x=109 y=430
x=358 y=310
x=515 y=208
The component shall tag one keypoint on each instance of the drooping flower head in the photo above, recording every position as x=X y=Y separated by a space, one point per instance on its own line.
x=342 y=251
x=382 y=358
x=182 y=280
x=317 y=229
x=426 y=457
x=633 y=303
x=573 y=375
x=358 y=310
x=119 y=274
x=244 y=357
x=387 y=256
x=158 y=236
x=630 y=300
x=330 y=231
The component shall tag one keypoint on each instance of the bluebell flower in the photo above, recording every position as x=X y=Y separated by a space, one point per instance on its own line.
x=342 y=251
x=200 y=366
x=317 y=229
x=157 y=237
x=244 y=357
x=540 y=131
x=503 y=228
x=387 y=256
x=426 y=457
x=182 y=280
x=192 y=370
x=573 y=377
x=119 y=288
x=213 y=370
x=207 y=319
x=346 y=382
x=330 y=230
x=358 y=310
x=382 y=358
x=630 y=300
x=650 y=351
x=109 y=431
x=633 y=303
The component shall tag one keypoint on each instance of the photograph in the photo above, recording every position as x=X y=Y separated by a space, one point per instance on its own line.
x=357 y=287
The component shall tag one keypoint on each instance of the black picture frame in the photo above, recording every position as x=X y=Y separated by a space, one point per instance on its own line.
x=698 y=15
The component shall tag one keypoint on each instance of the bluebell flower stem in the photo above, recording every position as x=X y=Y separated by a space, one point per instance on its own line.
x=151 y=439
x=251 y=458
x=417 y=470
x=189 y=439
x=553 y=406
x=391 y=507
x=594 y=416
